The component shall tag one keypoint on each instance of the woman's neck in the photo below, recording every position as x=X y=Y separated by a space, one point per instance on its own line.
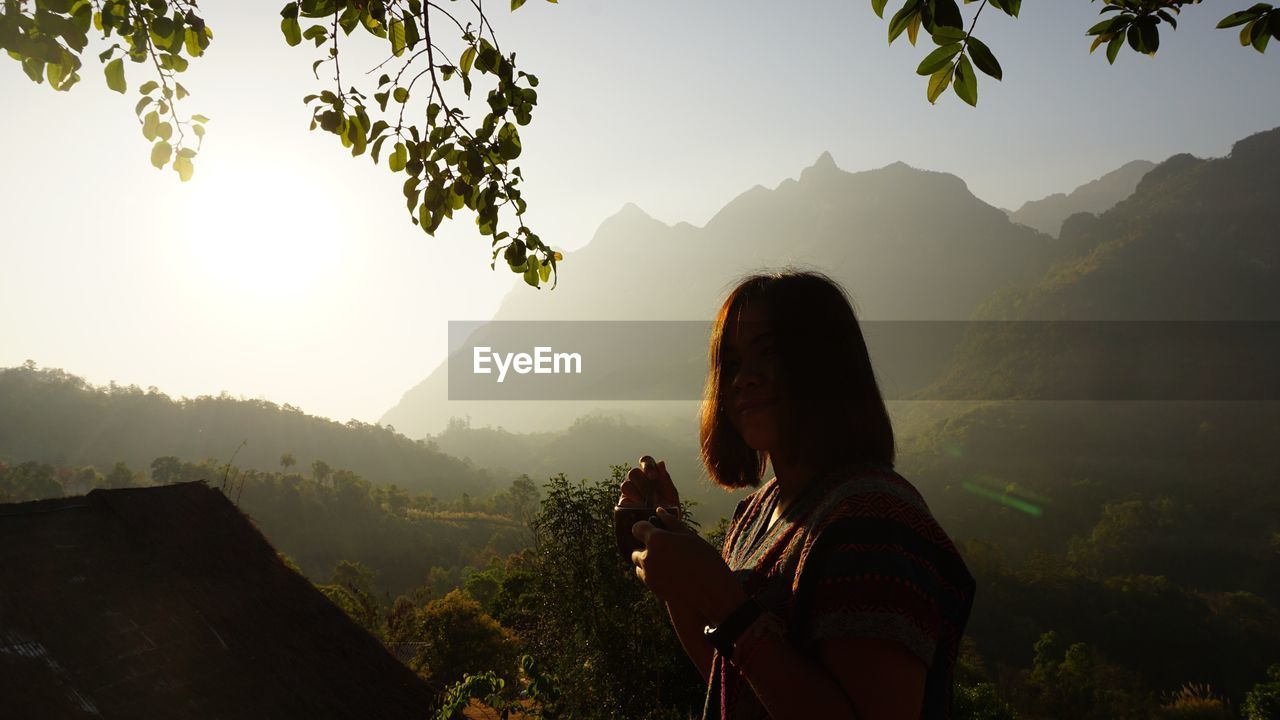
x=793 y=475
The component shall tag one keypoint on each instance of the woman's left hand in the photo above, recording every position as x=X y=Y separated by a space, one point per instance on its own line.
x=682 y=568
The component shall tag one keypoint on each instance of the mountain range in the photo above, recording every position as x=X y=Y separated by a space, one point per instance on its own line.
x=1096 y=196
x=908 y=244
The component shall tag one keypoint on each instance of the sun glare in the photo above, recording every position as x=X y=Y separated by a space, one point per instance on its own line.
x=261 y=232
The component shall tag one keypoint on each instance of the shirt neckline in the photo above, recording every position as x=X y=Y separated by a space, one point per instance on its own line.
x=800 y=507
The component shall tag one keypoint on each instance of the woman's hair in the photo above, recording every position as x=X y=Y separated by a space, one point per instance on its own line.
x=832 y=407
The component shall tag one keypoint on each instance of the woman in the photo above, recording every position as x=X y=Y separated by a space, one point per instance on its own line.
x=836 y=594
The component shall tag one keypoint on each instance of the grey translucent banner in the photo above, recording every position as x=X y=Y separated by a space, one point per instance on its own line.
x=913 y=360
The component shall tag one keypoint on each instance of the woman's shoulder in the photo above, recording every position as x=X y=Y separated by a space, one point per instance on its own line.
x=878 y=494
x=876 y=511
x=868 y=483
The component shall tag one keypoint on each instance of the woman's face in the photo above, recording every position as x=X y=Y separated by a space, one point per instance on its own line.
x=748 y=372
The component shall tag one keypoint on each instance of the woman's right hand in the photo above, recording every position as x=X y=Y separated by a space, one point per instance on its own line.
x=650 y=481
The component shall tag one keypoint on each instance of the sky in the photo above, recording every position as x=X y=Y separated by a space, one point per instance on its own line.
x=289 y=271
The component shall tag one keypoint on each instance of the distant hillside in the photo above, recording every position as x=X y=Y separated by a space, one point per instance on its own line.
x=1097 y=196
x=1030 y=475
x=1196 y=241
x=908 y=244
x=54 y=417
x=586 y=449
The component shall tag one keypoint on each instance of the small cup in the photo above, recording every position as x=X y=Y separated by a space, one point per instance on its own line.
x=624 y=518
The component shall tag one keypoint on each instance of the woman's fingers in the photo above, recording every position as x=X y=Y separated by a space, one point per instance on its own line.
x=635 y=489
x=664 y=488
x=649 y=484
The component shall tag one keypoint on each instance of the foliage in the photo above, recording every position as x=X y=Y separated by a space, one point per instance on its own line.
x=453 y=636
x=1194 y=702
x=67 y=421
x=447 y=161
x=352 y=589
x=578 y=606
x=28 y=481
x=952 y=63
x=539 y=699
x=981 y=702
x=1263 y=701
x=1076 y=681
x=48 y=36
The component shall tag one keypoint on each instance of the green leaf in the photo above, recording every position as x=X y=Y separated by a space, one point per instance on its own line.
x=151 y=125
x=938 y=83
x=191 y=40
x=200 y=118
x=115 y=75
x=292 y=30
x=1237 y=18
x=1104 y=26
x=34 y=69
x=983 y=58
x=1261 y=34
x=878 y=7
x=1135 y=38
x=901 y=20
x=966 y=82
x=160 y=154
x=148 y=87
x=397 y=37
x=1246 y=33
x=411 y=36
x=1113 y=47
x=515 y=5
x=56 y=74
x=467 y=58
x=509 y=142
x=946 y=13
x=944 y=34
x=1150 y=35
x=939 y=58
x=401 y=94
x=399 y=155
x=184 y=168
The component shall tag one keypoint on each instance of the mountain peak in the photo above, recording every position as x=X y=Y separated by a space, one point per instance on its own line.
x=631 y=210
x=824 y=166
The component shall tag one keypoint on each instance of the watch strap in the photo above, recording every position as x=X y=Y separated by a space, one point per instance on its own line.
x=723 y=636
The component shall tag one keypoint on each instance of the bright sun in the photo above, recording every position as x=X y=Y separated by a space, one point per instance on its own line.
x=259 y=231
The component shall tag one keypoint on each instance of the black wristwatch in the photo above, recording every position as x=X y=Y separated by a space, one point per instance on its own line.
x=723 y=636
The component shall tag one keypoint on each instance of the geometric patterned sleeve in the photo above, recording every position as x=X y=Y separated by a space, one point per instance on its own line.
x=879 y=565
x=874 y=577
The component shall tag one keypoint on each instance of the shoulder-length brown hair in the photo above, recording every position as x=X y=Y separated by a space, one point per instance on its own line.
x=832 y=406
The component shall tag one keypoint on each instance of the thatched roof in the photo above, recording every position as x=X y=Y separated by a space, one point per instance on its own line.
x=167 y=602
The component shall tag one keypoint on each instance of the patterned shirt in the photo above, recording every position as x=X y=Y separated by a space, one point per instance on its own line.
x=856 y=554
